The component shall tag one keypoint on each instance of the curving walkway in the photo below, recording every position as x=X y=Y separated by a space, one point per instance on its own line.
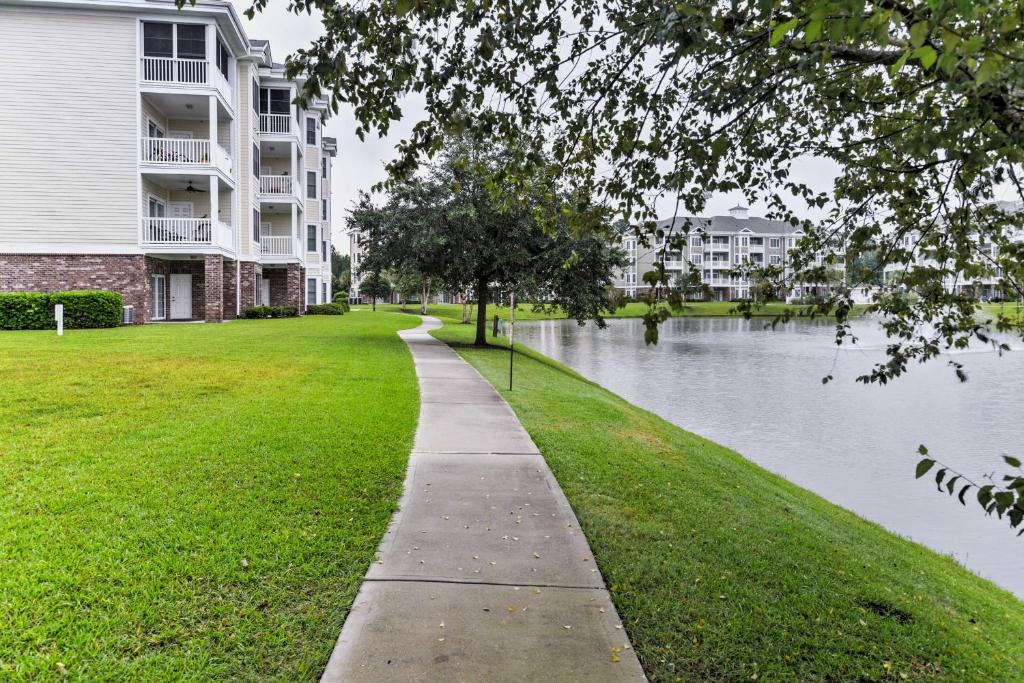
x=483 y=574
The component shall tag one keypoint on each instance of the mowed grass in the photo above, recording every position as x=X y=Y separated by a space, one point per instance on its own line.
x=722 y=571
x=195 y=502
x=631 y=310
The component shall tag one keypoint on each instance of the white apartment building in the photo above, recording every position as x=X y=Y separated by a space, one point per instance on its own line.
x=713 y=247
x=157 y=153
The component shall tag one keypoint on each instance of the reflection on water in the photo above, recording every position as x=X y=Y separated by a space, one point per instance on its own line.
x=759 y=392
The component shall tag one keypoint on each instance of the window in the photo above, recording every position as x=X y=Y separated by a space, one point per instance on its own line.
x=255 y=95
x=158 y=298
x=222 y=58
x=323 y=168
x=275 y=101
x=310 y=291
x=255 y=160
x=744 y=241
x=695 y=242
x=757 y=241
x=311 y=185
x=255 y=225
x=323 y=209
x=310 y=130
x=157 y=208
x=311 y=238
x=698 y=259
x=775 y=259
x=774 y=242
x=324 y=290
x=153 y=129
x=157 y=39
x=323 y=250
x=191 y=41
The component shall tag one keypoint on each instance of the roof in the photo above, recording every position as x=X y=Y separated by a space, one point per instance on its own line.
x=730 y=224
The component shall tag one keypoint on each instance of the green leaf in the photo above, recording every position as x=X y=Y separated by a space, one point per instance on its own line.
x=963 y=492
x=918 y=33
x=922 y=450
x=403 y=7
x=939 y=476
x=923 y=467
x=927 y=55
x=782 y=29
x=813 y=30
x=987 y=70
x=1011 y=461
x=900 y=63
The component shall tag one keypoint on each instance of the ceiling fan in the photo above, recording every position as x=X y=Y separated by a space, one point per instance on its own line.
x=192 y=189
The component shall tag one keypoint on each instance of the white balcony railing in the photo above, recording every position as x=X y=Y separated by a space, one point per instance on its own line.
x=276 y=184
x=275 y=123
x=177 y=231
x=184 y=151
x=175 y=70
x=175 y=151
x=185 y=71
x=278 y=245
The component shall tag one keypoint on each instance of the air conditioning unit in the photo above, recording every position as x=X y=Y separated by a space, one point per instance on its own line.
x=128 y=315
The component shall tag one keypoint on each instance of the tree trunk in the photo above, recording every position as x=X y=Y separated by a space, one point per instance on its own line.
x=423 y=298
x=375 y=304
x=481 y=313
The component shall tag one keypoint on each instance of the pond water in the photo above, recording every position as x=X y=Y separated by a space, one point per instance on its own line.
x=759 y=392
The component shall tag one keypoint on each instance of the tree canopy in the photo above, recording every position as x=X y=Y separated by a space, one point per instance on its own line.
x=447 y=226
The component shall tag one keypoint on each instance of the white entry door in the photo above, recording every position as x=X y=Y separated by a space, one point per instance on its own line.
x=181 y=296
x=181 y=210
x=265 y=292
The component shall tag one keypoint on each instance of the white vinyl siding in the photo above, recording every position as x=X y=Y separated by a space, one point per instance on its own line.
x=71 y=78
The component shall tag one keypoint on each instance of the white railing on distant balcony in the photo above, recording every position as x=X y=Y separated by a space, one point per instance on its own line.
x=275 y=123
x=222 y=85
x=222 y=159
x=276 y=184
x=225 y=236
x=177 y=231
x=277 y=245
x=175 y=151
x=175 y=70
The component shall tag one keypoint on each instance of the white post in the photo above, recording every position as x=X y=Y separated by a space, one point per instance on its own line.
x=58 y=313
x=214 y=209
x=296 y=187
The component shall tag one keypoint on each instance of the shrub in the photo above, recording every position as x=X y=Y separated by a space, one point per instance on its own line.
x=82 y=309
x=340 y=297
x=271 y=312
x=325 y=309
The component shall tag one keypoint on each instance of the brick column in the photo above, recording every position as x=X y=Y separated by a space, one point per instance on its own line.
x=248 y=283
x=213 y=288
x=230 y=289
x=294 y=287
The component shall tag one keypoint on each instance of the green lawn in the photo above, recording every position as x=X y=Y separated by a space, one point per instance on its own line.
x=631 y=310
x=1011 y=309
x=195 y=502
x=722 y=571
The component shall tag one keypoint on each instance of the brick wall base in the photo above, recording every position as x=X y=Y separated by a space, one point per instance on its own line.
x=129 y=275
x=249 y=271
x=124 y=274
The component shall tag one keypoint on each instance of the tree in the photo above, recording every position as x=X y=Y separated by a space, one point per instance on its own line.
x=448 y=226
x=918 y=103
x=376 y=286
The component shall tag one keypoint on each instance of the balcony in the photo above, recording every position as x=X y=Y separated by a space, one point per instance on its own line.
x=279 y=247
x=185 y=152
x=186 y=232
x=276 y=124
x=278 y=186
x=186 y=72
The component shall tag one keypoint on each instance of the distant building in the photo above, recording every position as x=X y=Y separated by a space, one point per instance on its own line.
x=713 y=247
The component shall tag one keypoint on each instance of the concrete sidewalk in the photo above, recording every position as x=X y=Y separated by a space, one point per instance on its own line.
x=483 y=574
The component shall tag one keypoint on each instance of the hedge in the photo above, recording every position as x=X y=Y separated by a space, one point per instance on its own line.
x=271 y=312
x=325 y=309
x=340 y=297
x=82 y=309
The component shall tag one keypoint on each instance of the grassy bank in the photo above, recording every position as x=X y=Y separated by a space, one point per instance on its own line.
x=631 y=310
x=195 y=502
x=722 y=571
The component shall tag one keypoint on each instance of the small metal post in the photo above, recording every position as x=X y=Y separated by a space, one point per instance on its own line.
x=58 y=313
x=511 y=336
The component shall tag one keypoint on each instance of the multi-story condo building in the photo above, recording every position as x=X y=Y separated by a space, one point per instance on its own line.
x=355 y=252
x=714 y=247
x=157 y=152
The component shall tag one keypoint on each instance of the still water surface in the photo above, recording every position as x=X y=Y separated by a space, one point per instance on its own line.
x=759 y=392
